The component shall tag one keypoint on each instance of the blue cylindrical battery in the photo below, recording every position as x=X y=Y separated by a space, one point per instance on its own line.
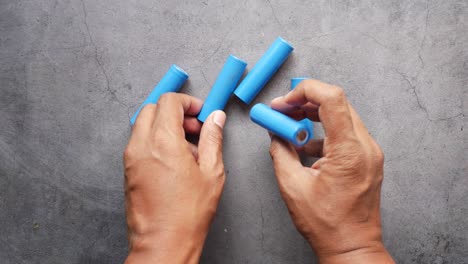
x=262 y=72
x=297 y=132
x=172 y=81
x=223 y=87
x=296 y=81
x=308 y=122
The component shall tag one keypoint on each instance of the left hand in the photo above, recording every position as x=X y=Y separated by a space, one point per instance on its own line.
x=172 y=187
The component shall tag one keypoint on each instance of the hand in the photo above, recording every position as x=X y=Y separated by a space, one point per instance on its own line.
x=335 y=203
x=172 y=187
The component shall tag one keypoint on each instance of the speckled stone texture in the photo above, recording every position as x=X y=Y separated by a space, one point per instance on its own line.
x=72 y=73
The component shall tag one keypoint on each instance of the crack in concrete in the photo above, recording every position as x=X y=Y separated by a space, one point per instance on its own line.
x=204 y=77
x=413 y=89
x=274 y=15
x=98 y=61
x=375 y=40
x=307 y=40
x=262 y=230
x=219 y=46
x=418 y=100
x=273 y=12
x=423 y=41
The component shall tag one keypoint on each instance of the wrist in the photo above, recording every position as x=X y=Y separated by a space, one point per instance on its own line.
x=374 y=253
x=350 y=242
x=165 y=247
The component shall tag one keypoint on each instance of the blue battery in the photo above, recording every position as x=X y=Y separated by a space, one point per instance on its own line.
x=296 y=81
x=172 y=81
x=223 y=87
x=296 y=132
x=308 y=122
x=262 y=72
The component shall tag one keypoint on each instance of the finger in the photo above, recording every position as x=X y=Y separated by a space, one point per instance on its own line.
x=310 y=107
x=210 y=146
x=144 y=121
x=311 y=111
x=308 y=110
x=319 y=163
x=301 y=114
x=286 y=161
x=333 y=108
x=194 y=150
x=314 y=116
x=172 y=108
x=363 y=134
x=297 y=115
x=313 y=148
x=280 y=105
x=192 y=125
x=359 y=126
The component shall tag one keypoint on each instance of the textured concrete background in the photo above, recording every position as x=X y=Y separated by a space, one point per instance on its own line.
x=72 y=73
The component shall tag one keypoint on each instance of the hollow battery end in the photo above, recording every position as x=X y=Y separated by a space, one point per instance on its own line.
x=302 y=136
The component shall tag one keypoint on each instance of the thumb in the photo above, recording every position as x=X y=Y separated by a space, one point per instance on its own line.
x=285 y=159
x=210 y=145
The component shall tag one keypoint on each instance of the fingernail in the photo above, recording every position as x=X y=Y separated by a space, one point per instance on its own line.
x=219 y=118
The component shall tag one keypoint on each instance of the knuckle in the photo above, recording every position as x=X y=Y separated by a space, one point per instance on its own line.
x=218 y=170
x=379 y=178
x=337 y=93
x=308 y=83
x=274 y=148
x=143 y=120
x=379 y=156
x=144 y=117
x=311 y=83
x=215 y=170
x=137 y=125
x=147 y=108
x=128 y=153
x=214 y=137
x=167 y=98
x=376 y=155
x=163 y=144
x=129 y=157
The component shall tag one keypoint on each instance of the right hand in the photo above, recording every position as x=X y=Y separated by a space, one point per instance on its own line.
x=335 y=203
x=172 y=187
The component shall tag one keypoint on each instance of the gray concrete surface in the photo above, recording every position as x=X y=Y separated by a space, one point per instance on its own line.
x=72 y=73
